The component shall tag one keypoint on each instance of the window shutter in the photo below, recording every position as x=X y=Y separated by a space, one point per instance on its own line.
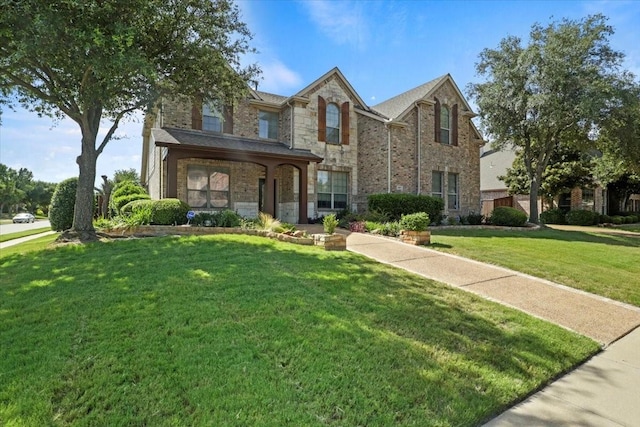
x=454 y=125
x=344 y=119
x=437 y=121
x=196 y=116
x=322 y=119
x=227 y=117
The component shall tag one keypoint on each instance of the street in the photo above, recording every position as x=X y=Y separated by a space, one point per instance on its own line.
x=14 y=228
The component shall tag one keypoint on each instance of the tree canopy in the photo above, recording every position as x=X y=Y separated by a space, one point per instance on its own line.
x=557 y=91
x=19 y=189
x=98 y=60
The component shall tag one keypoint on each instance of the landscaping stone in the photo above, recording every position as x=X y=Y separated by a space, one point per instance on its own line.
x=331 y=242
x=415 y=237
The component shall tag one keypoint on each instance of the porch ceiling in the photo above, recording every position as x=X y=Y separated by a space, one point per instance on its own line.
x=217 y=143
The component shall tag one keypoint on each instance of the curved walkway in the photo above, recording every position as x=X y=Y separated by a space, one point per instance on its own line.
x=602 y=392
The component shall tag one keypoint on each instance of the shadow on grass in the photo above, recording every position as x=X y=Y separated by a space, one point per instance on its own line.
x=547 y=234
x=237 y=329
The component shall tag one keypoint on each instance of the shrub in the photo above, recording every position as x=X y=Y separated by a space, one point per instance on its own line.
x=330 y=223
x=604 y=219
x=373 y=225
x=227 y=218
x=125 y=192
x=142 y=215
x=357 y=226
x=375 y=216
x=130 y=207
x=391 y=228
x=394 y=205
x=62 y=205
x=553 y=216
x=509 y=217
x=629 y=219
x=418 y=221
x=169 y=211
x=582 y=217
x=268 y=223
x=635 y=218
x=473 y=219
x=617 y=219
x=201 y=217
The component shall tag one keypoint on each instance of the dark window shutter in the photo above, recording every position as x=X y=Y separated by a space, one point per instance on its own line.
x=437 y=121
x=196 y=116
x=454 y=125
x=227 y=117
x=322 y=119
x=344 y=119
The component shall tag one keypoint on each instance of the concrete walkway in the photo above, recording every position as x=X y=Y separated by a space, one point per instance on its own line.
x=23 y=239
x=605 y=391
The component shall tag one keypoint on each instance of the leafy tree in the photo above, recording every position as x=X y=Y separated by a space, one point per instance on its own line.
x=14 y=186
x=550 y=93
x=62 y=204
x=39 y=196
x=567 y=169
x=126 y=175
x=97 y=60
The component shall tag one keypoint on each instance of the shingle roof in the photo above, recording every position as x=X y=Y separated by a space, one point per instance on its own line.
x=395 y=106
x=170 y=137
x=271 y=97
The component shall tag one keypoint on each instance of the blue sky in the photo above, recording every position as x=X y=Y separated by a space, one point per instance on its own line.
x=382 y=47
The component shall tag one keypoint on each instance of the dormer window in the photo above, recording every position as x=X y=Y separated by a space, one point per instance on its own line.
x=268 y=124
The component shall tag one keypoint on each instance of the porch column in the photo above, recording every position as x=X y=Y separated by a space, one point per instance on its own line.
x=269 y=200
x=303 y=195
x=172 y=176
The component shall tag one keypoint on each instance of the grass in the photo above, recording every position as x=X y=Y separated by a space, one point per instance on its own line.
x=239 y=330
x=629 y=227
x=17 y=235
x=604 y=264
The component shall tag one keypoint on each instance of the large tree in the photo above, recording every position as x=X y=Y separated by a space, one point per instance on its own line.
x=101 y=60
x=553 y=92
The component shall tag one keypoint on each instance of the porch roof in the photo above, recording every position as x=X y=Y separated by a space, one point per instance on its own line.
x=211 y=142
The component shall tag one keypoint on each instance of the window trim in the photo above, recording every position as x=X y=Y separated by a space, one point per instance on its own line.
x=441 y=192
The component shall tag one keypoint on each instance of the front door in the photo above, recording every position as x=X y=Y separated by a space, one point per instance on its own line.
x=261 y=196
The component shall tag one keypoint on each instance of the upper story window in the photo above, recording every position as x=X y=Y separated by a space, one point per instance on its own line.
x=445 y=125
x=333 y=122
x=268 y=124
x=212 y=118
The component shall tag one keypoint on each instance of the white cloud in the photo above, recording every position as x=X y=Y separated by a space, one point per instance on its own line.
x=277 y=78
x=343 y=22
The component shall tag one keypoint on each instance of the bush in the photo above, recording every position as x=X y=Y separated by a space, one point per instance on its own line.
x=125 y=192
x=509 y=217
x=629 y=219
x=391 y=228
x=582 y=217
x=415 y=222
x=62 y=205
x=169 y=211
x=617 y=219
x=604 y=219
x=330 y=223
x=227 y=218
x=358 y=226
x=134 y=205
x=394 y=205
x=553 y=216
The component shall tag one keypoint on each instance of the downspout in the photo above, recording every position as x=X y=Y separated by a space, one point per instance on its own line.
x=419 y=151
x=388 y=157
x=291 y=125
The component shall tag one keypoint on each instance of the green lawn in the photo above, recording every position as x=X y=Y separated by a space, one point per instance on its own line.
x=11 y=236
x=604 y=264
x=239 y=330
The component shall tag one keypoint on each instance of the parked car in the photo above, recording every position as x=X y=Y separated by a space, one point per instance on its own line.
x=24 y=217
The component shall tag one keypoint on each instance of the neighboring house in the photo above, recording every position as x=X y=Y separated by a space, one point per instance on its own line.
x=494 y=163
x=318 y=151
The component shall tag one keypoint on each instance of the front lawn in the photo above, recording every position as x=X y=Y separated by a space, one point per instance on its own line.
x=239 y=330
x=604 y=264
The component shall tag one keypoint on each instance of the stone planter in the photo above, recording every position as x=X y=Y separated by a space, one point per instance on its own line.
x=416 y=237
x=330 y=242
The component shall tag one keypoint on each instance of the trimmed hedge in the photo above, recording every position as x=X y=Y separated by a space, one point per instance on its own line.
x=63 y=204
x=394 y=205
x=164 y=212
x=582 y=217
x=418 y=221
x=125 y=192
x=508 y=217
x=553 y=216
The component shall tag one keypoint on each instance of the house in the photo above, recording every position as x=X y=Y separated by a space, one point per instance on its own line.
x=318 y=151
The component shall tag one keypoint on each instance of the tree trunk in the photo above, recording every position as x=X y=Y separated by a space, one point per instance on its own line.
x=533 y=200
x=84 y=208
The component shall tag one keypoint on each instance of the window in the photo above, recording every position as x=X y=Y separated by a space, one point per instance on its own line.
x=588 y=199
x=436 y=184
x=211 y=118
x=445 y=125
x=333 y=124
x=207 y=187
x=268 y=124
x=452 y=191
x=332 y=190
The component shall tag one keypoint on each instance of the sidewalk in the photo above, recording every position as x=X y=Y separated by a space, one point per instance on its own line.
x=602 y=392
x=23 y=239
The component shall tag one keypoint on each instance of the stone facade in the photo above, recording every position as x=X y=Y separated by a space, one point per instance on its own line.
x=383 y=152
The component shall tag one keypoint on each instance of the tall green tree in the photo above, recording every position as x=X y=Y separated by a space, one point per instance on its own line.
x=552 y=92
x=101 y=60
